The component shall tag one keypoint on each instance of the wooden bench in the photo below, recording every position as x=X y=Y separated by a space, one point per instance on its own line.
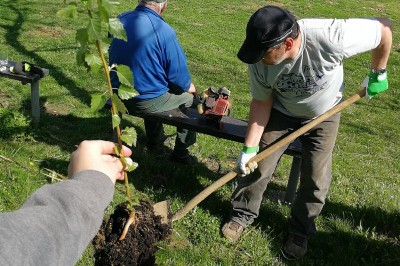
x=26 y=78
x=231 y=129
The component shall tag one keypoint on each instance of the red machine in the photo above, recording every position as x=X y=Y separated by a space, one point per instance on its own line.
x=214 y=104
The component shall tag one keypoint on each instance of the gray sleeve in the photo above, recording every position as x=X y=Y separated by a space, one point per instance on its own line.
x=360 y=35
x=55 y=225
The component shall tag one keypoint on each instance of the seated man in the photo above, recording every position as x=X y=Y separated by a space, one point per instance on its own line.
x=160 y=72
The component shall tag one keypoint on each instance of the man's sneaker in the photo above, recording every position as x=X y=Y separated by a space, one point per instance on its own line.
x=187 y=159
x=232 y=230
x=295 y=247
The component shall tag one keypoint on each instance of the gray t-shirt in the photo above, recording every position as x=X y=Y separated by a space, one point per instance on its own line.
x=312 y=83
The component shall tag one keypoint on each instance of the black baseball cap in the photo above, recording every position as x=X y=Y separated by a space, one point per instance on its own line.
x=267 y=27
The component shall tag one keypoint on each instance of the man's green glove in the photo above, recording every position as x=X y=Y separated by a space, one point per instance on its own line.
x=375 y=83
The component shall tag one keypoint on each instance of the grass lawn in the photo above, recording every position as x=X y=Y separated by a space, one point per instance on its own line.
x=360 y=223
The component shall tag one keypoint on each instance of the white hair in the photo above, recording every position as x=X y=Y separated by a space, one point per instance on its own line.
x=152 y=3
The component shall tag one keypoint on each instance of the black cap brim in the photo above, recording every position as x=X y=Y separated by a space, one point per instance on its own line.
x=250 y=53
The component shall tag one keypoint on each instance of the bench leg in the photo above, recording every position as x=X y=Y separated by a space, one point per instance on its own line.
x=35 y=107
x=293 y=180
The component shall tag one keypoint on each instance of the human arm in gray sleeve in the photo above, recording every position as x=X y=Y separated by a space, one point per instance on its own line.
x=55 y=225
x=57 y=222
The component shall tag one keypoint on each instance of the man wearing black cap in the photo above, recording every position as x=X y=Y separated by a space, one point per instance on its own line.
x=160 y=72
x=296 y=74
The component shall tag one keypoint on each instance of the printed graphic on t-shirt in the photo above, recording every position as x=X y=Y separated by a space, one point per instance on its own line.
x=306 y=83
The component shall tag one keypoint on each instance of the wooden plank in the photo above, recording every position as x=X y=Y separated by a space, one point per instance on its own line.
x=229 y=128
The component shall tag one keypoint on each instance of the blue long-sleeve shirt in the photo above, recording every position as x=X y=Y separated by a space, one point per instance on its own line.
x=152 y=52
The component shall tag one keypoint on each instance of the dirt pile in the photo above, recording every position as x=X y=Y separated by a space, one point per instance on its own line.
x=139 y=245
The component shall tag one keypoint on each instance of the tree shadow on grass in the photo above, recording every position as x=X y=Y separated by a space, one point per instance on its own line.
x=348 y=248
x=12 y=38
x=371 y=218
x=157 y=173
x=168 y=179
x=11 y=127
x=378 y=243
x=67 y=131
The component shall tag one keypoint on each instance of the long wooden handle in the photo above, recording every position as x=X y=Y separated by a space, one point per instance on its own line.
x=268 y=151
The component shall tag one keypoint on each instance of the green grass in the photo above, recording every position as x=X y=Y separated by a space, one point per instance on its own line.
x=360 y=224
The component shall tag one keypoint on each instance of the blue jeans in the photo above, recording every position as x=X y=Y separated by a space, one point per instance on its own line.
x=315 y=178
x=154 y=129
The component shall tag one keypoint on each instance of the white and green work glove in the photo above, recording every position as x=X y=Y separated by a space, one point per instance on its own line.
x=375 y=83
x=245 y=155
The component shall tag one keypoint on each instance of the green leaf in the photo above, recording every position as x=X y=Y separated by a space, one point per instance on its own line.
x=105 y=45
x=132 y=167
x=80 y=56
x=110 y=5
x=116 y=28
x=82 y=37
x=116 y=121
x=103 y=13
x=94 y=30
x=119 y=104
x=98 y=101
x=106 y=8
x=125 y=92
x=94 y=62
x=107 y=40
x=129 y=136
x=68 y=12
x=125 y=76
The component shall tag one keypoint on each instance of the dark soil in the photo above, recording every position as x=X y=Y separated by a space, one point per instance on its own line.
x=140 y=243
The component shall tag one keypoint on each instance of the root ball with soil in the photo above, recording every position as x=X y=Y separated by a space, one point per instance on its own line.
x=140 y=243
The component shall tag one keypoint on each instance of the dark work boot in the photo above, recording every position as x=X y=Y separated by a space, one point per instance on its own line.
x=157 y=149
x=183 y=158
x=295 y=247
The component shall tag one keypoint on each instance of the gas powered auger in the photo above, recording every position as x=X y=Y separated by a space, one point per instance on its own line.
x=214 y=104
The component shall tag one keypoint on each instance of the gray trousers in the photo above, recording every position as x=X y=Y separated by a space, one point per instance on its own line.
x=315 y=179
x=154 y=129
